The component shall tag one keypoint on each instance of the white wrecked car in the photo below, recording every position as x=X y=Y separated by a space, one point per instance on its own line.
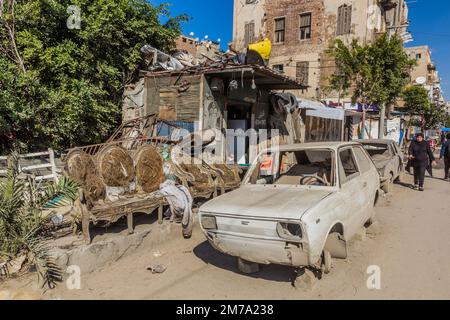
x=298 y=205
x=388 y=158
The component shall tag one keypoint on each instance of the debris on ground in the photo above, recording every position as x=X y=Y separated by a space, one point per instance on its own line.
x=158 y=254
x=157 y=269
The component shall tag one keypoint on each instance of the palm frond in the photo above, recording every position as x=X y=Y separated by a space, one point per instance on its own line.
x=22 y=226
x=65 y=192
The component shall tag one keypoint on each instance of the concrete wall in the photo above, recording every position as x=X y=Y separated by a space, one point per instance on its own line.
x=421 y=69
x=245 y=13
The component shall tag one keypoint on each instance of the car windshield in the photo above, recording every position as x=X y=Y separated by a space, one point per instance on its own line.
x=378 y=151
x=312 y=167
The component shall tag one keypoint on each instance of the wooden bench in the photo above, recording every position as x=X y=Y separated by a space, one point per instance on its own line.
x=111 y=212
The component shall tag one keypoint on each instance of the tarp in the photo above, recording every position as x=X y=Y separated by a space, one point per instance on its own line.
x=317 y=109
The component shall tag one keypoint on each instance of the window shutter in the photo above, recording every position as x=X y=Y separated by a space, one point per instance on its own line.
x=348 y=20
x=339 y=21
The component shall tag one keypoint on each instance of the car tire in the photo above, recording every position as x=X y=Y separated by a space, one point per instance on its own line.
x=248 y=267
x=400 y=177
x=327 y=262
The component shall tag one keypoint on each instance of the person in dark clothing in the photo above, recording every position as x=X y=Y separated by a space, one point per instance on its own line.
x=420 y=155
x=445 y=154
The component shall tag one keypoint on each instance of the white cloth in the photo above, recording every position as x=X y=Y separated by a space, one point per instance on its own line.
x=180 y=200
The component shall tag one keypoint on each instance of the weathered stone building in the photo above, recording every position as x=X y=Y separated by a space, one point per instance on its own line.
x=198 y=49
x=301 y=31
x=425 y=72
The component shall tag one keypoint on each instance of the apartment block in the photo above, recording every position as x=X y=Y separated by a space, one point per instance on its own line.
x=301 y=31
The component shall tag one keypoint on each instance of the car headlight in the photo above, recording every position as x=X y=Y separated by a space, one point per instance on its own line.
x=290 y=231
x=209 y=223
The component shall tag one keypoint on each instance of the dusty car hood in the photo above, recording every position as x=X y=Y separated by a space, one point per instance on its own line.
x=280 y=202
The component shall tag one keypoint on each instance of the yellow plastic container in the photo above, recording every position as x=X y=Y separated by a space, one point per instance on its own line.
x=264 y=48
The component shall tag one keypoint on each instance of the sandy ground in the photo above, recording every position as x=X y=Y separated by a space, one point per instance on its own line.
x=410 y=246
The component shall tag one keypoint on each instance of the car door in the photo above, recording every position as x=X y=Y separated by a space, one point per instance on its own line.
x=352 y=195
x=369 y=179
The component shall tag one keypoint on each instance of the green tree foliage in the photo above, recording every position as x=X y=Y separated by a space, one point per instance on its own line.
x=375 y=73
x=416 y=100
x=418 y=103
x=62 y=87
x=435 y=118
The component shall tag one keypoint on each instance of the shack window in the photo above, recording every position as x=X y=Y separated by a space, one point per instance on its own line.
x=280 y=29
x=305 y=26
x=344 y=21
x=278 y=68
x=302 y=72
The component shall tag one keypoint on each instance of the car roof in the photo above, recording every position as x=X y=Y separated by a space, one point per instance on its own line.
x=315 y=145
x=376 y=141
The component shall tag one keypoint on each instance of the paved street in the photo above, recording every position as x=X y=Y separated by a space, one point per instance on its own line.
x=410 y=246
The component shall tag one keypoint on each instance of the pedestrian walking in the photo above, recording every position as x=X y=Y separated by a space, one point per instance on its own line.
x=420 y=155
x=409 y=163
x=445 y=154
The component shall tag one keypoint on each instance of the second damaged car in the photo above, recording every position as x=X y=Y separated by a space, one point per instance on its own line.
x=298 y=205
x=388 y=158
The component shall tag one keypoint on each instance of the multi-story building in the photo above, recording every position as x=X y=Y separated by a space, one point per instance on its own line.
x=198 y=49
x=425 y=73
x=301 y=31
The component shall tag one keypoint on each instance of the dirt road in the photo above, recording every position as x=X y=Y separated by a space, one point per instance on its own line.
x=410 y=247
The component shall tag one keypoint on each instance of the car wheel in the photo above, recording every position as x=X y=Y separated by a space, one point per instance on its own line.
x=326 y=262
x=400 y=177
x=248 y=267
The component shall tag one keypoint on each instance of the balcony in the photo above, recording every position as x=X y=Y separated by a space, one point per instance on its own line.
x=388 y=4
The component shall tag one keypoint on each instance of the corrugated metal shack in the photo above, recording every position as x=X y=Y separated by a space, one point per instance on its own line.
x=231 y=97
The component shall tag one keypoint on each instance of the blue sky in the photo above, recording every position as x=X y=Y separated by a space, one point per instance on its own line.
x=430 y=25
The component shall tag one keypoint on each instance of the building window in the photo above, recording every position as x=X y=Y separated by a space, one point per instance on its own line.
x=250 y=1
x=302 y=72
x=249 y=35
x=280 y=29
x=278 y=68
x=305 y=26
x=418 y=56
x=344 y=21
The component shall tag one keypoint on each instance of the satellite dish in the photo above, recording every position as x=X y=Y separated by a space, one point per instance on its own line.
x=421 y=80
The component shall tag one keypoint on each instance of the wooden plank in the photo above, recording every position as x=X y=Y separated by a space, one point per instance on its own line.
x=37 y=167
x=53 y=165
x=34 y=155
x=47 y=177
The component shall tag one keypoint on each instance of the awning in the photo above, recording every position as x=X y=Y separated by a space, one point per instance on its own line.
x=317 y=109
x=264 y=78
